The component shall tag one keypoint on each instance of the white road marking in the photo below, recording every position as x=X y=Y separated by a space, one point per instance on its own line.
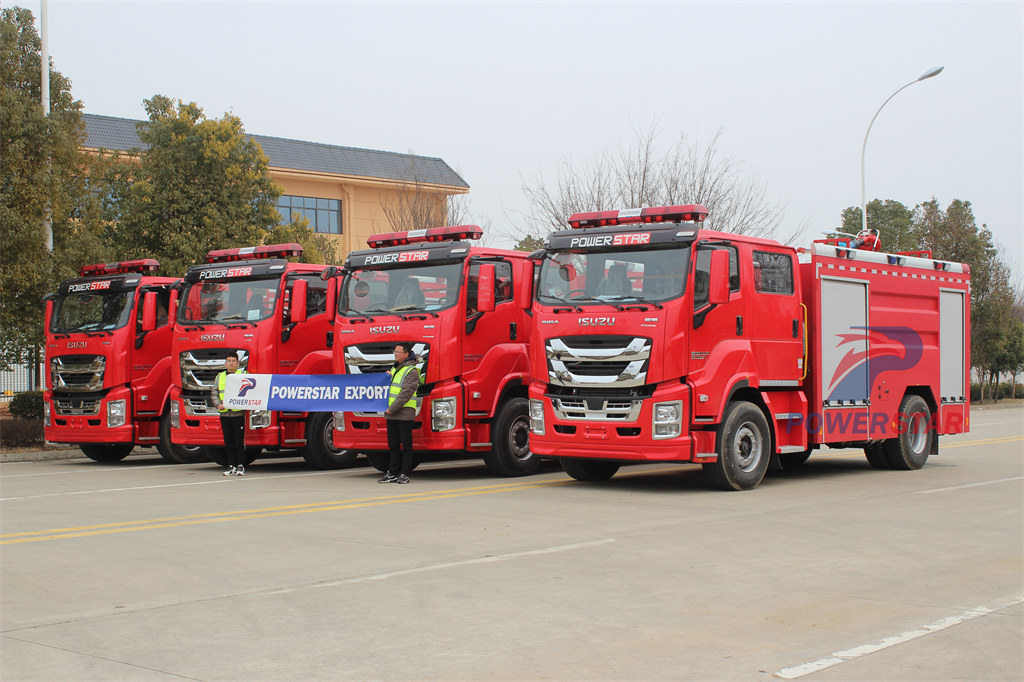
x=100 y=469
x=863 y=650
x=453 y=564
x=966 y=485
x=220 y=479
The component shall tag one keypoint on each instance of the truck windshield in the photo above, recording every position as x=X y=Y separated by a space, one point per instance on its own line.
x=90 y=311
x=613 y=276
x=234 y=300
x=426 y=287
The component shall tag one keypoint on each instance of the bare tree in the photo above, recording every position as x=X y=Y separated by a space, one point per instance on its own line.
x=415 y=204
x=639 y=175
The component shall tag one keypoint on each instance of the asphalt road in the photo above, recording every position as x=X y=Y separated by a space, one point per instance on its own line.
x=836 y=571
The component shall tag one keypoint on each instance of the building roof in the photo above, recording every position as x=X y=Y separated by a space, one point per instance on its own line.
x=120 y=134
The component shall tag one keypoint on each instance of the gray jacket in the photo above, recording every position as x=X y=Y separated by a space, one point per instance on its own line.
x=410 y=383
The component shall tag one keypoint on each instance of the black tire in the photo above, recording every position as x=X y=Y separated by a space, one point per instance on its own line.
x=319 y=450
x=107 y=453
x=909 y=450
x=744 y=448
x=588 y=469
x=876 y=456
x=177 y=454
x=510 y=441
x=792 y=460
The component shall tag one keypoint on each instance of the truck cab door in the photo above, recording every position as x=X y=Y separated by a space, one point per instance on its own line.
x=713 y=324
x=487 y=330
x=775 y=325
x=150 y=370
x=299 y=339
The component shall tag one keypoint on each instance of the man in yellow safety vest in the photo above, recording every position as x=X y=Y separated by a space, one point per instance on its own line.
x=402 y=408
x=232 y=422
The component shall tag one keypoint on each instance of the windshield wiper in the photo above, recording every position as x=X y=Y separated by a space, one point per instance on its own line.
x=600 y=300
x=572 y=306
x=641 y=299
x=414 y=308
x=245 y=323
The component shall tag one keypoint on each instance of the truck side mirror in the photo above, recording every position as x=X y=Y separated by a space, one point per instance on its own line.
x=718 y=286
x=527 y=284
x=485 y=289
x=298 y=302
x=149 y=303
x=332 y=299
x=172 y=306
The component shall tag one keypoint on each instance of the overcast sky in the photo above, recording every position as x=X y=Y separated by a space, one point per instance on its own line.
x=502 y=91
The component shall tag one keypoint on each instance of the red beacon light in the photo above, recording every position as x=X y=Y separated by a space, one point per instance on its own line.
x=139 y=265
x=253 y=252
x=632 y=216
x=434 y=234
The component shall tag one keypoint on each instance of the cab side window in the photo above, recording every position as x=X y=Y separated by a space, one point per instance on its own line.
x=502 y=284
x=316 y=296
x=163 y=302
x=773 y=272
x=702 y=273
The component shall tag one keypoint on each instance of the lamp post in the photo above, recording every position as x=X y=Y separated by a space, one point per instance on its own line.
x=863 y=187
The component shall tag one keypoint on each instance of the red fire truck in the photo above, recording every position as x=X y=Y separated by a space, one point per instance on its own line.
x=466 y=310
x=274 y=314
x=656 y=340
x=108 y=344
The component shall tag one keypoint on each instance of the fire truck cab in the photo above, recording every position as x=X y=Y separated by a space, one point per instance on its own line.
x=657 y=340
x=465 y=309
x=273 y=313
x=108 y=341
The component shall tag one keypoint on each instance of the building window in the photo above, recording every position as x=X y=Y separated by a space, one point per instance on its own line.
x=324 y=215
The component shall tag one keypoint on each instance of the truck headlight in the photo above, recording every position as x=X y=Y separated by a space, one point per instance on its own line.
x=339 y=421
x=667 y=419
x=175 y=415
x=46 y=413
x=537 y=417
x=259 y=419
x=442 y=414
x=116 y=410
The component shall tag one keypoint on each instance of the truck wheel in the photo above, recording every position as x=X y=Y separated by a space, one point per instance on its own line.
x=510 y=441
x=588 y=469
x=744 y=448
x=791 y=460
x=909 y=450
x=107 y=453
x=319 y=450
x=876 y=456
x=177 y=454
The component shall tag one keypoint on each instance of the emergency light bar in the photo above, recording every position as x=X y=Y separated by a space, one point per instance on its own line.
x=629 y=216
x=434 y=234
x=139 y=265
x=252 y=252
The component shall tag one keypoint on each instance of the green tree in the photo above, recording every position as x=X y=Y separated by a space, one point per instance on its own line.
x=41 y=168
x=201 y=184
x=316 y=248
x=890 y=217
x=529 y=243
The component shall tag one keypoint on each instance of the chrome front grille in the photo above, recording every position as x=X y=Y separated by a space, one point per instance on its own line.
x=77 y=373
x=597 y=409
x=198 y=406
x=200 y=367
x=66 y=407
x=598 y=361
x=369 y=358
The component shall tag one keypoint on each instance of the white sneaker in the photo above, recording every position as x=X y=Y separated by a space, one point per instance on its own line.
x=240 y=471
x=230 y=472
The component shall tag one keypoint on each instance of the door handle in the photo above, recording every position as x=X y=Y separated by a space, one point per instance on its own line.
x=512 y=331
x=739 y=325
x=796 y=329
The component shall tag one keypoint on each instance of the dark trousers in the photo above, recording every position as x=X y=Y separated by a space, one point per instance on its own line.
x=234 y=439
x=400 y=444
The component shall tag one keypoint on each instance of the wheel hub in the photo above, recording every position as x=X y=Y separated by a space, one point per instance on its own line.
x=747 y=446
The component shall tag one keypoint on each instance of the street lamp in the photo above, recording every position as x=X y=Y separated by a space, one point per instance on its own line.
x=863 y=191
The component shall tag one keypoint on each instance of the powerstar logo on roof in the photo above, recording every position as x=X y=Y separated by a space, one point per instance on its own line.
x=225 y=272
x=404 y=257
x=90 y=286
x=307 y=392
x=628 y=239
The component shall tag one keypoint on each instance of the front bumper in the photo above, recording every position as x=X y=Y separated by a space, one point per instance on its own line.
x=369 y=432
x=205 y=429
x=618 y=439
x=90 y=428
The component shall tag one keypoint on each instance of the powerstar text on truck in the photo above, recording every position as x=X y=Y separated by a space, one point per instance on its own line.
x=656 y=340
x=108 y=342
x=274 y=314
x=466 y=311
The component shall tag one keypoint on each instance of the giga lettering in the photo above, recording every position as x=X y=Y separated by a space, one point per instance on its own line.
x=225 y=272
x=628 y=239
x=90 y=286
